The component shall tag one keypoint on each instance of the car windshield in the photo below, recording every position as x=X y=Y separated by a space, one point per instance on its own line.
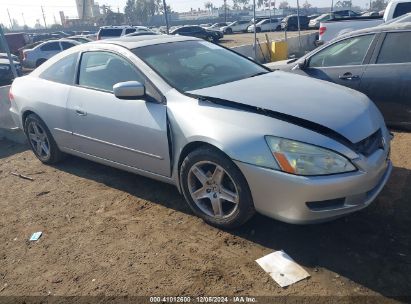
x=192 y=65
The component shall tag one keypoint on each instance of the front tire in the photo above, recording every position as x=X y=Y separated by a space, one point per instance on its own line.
x=215 y=189
x=41 y=141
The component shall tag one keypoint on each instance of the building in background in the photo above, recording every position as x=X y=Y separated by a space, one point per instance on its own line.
x=87 y=9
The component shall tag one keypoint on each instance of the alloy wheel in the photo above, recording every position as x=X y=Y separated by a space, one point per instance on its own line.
x=212 y=189
x=38 y=140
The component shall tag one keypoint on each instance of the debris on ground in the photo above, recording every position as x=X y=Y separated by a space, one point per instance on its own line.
x=35 y=236
x=282 y=268
x=22 y=176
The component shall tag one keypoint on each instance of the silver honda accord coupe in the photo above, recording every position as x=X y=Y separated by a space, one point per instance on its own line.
x=234 y=137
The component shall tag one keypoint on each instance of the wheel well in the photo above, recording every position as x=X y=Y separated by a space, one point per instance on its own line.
x=194 y=146
x=25 y=114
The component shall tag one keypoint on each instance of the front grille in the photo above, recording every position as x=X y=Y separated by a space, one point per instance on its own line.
x=370 y=144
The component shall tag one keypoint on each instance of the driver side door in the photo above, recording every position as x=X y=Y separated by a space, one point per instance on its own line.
x=130 y=132
x=343 y=62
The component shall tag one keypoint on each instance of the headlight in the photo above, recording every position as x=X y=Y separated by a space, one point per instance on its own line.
x=304 y=159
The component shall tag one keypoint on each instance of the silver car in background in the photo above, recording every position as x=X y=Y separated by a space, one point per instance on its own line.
x=234 y=137
x=36 y=56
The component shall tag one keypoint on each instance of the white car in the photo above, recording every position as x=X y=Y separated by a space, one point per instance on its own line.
x=32 y=58
x=236 y=27
x=107 y=32
x=266 y=25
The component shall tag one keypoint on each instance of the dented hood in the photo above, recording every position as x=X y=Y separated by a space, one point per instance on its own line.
x=342 y=110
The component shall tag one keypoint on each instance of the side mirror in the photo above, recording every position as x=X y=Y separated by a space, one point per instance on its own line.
x=129 y=90
x=302 y=64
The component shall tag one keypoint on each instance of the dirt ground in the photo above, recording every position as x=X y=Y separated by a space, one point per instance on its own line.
x=248 y=38
x=108 y=232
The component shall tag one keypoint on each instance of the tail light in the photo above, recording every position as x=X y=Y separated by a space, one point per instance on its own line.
x=24 y=55
x=11 y=97
x=322 y=30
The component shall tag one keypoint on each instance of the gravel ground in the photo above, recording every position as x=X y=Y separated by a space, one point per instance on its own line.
x=108 y=232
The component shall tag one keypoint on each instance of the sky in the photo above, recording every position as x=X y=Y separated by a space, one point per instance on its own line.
x=30 y=10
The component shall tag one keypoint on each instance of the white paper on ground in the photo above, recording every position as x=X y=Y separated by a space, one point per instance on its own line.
x=282 y=268
x=35 y=236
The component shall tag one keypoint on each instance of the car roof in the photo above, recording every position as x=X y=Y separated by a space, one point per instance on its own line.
x=140 y=41
x=379 y=28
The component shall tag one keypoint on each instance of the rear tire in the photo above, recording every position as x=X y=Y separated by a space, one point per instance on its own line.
x=41 y=141
x=229 y=31
x=215 y=189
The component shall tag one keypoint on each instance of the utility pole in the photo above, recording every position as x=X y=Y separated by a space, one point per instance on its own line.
x=332 y=6
x=165 y=16
x=4 y=45
x=255 y=33
x=44 y=17
x=370 y=6
x=11 y=23
x=298 y=24
x=24 y=20
x=225 y=11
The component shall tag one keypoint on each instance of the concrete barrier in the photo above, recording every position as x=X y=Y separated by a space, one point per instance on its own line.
x=292 y=48
x=247 y=50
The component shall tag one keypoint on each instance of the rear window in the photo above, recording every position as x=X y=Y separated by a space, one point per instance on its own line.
x=51 y=46
x=402 y=8
x=110 y=32
x=396 y=48
x=130 y=30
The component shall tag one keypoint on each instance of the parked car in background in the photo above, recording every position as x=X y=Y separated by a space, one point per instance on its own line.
x=203 y=118
x=402 y=19
x=141 y=34
x=81 y=39
x=107 y=32
x=236 y=27
x=36 y=56
x=336 y=27
x=217 y=26
x=374 y=61
x=4 y=56
x=290 y=23
x=16 y=41
x=315 y=23
x=199 y=32
x=370 y=14
x=266 y=25
x=6 y=74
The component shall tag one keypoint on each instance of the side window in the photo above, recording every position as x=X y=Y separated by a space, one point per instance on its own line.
x=350 y=51
x=130 y=30
x=396 y=48
x=102 y=70
x=66 y=45
x=62 y=71
x=51 y=46
x=402 y=8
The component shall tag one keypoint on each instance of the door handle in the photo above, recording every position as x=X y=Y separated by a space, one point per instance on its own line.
x=348 y=76
x=80 y=112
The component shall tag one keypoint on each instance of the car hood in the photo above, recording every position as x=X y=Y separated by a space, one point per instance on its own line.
x=337 y=108
x=283 y=65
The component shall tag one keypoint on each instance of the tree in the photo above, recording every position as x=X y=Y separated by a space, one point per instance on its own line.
x=244 y=3
x=378 y=5
x=140 y=11
x=236 y=5
x=208 y=5
x=284 y=5
x=306 y=5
